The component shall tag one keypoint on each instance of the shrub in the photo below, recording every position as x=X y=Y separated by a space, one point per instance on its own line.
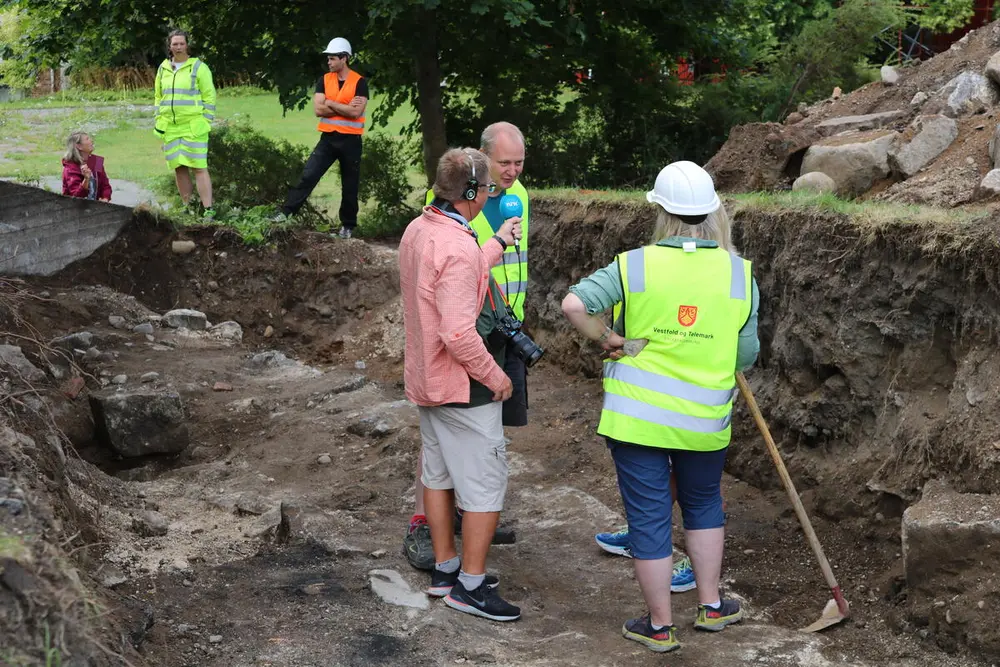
x=250 y=169
x=385 y=163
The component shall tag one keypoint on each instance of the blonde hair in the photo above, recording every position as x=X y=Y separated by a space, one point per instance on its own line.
x=73 y=149
x=716 y=227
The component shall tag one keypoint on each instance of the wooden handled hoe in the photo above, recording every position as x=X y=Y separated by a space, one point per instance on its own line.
x=837 y=609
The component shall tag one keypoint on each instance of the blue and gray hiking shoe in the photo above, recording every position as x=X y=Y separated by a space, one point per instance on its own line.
x=418 y=548
x=641 y=630
x=619 y=544
x=713 y=620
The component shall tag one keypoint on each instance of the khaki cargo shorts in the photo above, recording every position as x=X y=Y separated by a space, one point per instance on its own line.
x=464 y=450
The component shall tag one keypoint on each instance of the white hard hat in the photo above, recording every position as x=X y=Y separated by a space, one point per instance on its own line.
x=684 y=188
x=338 y=45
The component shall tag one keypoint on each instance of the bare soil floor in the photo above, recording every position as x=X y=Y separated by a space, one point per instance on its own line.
x=227 y=587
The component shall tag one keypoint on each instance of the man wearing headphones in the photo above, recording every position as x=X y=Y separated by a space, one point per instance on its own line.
x=453 y=371
x=503 y=144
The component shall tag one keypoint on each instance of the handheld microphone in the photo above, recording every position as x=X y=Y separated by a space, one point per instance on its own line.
x=511 y=207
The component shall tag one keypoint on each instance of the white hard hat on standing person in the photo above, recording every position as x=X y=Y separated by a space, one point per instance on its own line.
x=684 y=189
x=338 y=45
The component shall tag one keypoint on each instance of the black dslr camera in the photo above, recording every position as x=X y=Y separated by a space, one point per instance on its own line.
x=508 y=328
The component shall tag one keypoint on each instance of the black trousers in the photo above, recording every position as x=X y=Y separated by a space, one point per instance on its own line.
x=332 y=146
x=515 y=408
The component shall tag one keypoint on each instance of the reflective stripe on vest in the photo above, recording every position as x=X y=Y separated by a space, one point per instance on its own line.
x=342 y=93
x=631 y=407
x=678 y=392
x=185 y=104
x=665 y=384
x=636 y=267
x=343 y=123
x=509 y=258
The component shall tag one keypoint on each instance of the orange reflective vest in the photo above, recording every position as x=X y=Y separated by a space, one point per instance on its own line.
x=342 y=95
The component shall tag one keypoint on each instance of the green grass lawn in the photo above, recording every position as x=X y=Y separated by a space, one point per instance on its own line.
x=33 y=132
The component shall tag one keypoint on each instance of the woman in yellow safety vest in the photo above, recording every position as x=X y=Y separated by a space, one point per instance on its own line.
x=185 y=109
x=687 y=304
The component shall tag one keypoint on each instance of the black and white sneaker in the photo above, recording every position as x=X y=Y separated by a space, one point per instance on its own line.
x=484 y=601
x=442 y=582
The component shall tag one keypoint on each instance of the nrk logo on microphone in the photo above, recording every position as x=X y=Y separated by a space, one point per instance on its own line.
x=511 y=207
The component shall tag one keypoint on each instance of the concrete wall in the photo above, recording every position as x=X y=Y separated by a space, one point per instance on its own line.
x=42 y=232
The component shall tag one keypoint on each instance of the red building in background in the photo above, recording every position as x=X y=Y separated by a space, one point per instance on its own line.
x=983 y=15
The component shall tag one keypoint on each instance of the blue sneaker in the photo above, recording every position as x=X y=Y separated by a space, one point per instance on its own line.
x=619 y=545
x=615 y=543
x=683 y=576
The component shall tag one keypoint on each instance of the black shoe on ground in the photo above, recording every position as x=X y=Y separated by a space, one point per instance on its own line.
x=502 y=535
x=418 y=548
x=443 y=582
x=484 y=601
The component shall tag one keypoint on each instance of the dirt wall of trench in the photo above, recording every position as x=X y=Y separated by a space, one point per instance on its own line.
x=878 y=360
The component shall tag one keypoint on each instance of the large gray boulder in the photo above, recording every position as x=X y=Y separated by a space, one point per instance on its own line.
x=185 y=318
x=993 y=68
x=142 y=421
x=854 y=166
x=82 y=340
x=990 y=185
x=949 y=558
x=925 y=139
x=995 y=148
x=14 y=363
x=814 y=181
x=871 y=121
x=967 y=93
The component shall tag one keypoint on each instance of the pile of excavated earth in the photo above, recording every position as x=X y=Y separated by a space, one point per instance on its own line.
x=925 y=134
x=206 y=456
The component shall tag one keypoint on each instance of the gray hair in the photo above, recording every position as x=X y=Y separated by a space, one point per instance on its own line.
x=72 y=149
x=488 y=141
x=456 y=168
x=716 y=227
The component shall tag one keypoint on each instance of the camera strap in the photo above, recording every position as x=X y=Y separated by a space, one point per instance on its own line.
x=489 y=292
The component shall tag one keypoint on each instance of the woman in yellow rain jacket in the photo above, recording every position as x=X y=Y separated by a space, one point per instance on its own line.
x=185 y=108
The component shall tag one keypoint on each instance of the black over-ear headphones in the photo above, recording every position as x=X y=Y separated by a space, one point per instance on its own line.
x=472 y=186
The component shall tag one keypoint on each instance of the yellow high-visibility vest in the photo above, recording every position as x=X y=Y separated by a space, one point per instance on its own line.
x=678 y=392
x=185 y=94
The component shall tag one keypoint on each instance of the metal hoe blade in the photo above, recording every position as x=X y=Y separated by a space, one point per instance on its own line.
x=831 y=616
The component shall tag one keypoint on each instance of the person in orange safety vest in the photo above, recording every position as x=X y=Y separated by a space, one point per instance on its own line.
x=339 y=102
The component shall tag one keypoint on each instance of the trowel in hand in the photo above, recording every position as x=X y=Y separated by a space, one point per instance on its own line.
x=633 y=346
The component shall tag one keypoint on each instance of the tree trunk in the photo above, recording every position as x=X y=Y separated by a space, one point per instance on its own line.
x=429 y=96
